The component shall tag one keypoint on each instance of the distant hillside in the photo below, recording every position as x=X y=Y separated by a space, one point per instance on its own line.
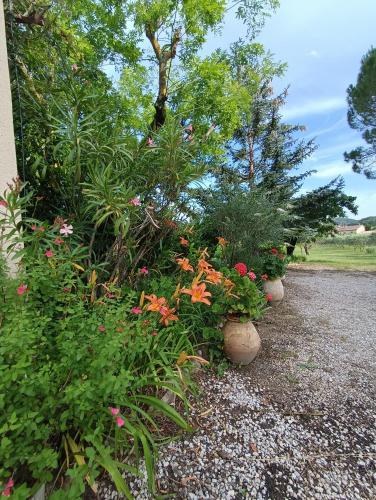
x=369 y=221
x=346 y=221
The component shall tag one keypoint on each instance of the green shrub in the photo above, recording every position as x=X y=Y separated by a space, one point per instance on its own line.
x=72 y=348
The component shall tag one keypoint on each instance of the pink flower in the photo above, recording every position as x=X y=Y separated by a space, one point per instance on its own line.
x=274 y=251
x=101 y=328
x=150 y=142
x=34 y=227
x=58 y=241
x=66 y=230
x=264 y=277
x=268 y=297
x=144 y=270
x=49 y=253
x=114 y=411
x=42 y=229
x=3 y=203
x=136 y=310
x=251 y=275
x=154 y=333
x=189 y=128
x=120 y=421
x=135 y=202
x=110 y=295
x=7 y=490
x=66 y=289
x=22 y=289
x=241 y=268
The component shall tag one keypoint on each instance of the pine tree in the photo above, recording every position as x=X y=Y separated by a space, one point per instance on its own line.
x=361 y=116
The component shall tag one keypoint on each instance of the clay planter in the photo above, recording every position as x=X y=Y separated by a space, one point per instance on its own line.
x=275 y=288
x=242 y=342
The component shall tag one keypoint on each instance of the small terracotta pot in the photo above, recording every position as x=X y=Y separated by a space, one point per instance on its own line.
x=241 y=341
x=275 y=288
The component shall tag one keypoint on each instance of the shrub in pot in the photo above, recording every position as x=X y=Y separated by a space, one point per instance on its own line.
x=273 y=269
x=241 y=303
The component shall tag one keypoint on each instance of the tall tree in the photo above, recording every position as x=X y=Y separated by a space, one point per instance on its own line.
x=361 y=116
x=264 y=150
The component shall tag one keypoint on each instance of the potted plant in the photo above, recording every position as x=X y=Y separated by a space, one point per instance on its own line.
x=240 y=303
x=273 y=269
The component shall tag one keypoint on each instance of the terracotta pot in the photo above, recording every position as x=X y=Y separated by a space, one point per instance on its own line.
x=242 y=341
x=275 y=288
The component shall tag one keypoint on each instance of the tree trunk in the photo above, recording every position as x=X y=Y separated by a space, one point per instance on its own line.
x=291 y=246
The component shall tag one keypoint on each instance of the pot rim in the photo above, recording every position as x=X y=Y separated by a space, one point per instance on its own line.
x=235 y=318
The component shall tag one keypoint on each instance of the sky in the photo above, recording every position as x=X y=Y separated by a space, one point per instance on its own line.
x=322 y=42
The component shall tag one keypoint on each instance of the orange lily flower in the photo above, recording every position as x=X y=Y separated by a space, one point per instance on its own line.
x=221 y=241
x=204 y=266
x=198 y=293
x=184 y=264
x=184 y=242
x=214 y=277
x=167 y=315
x=155 y=303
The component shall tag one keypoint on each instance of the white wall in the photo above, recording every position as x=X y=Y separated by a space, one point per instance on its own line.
x=8 y=164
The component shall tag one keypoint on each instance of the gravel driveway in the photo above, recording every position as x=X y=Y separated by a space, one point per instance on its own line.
x=299 y=422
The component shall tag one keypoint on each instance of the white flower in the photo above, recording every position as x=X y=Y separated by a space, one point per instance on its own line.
x=66 y=230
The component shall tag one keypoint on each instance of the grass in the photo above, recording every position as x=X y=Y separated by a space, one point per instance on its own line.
x=350 y=257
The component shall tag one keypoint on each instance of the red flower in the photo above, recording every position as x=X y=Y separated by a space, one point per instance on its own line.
x=49 y=253
x=8 y=487
x=58 y=241
x=22 y=289
x=136 y=310
x=264 y=277
x=3 y=204
x=274 y=251
x=251 y=275
x=101 y=328
x=281 y=256
x=268 y=297
x=241 y=268
x=66 y=289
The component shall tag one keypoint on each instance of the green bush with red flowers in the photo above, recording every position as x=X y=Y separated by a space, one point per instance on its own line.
x=272 y=261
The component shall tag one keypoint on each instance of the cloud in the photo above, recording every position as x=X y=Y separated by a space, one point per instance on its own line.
x=332 y=169
x=316 y=107
x=339 y=124
x=313 y=53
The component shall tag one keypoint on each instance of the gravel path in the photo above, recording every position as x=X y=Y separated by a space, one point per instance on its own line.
x=299 y=422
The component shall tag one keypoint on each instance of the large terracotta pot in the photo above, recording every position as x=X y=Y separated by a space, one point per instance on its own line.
x=275 y=288
x=242 y=342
